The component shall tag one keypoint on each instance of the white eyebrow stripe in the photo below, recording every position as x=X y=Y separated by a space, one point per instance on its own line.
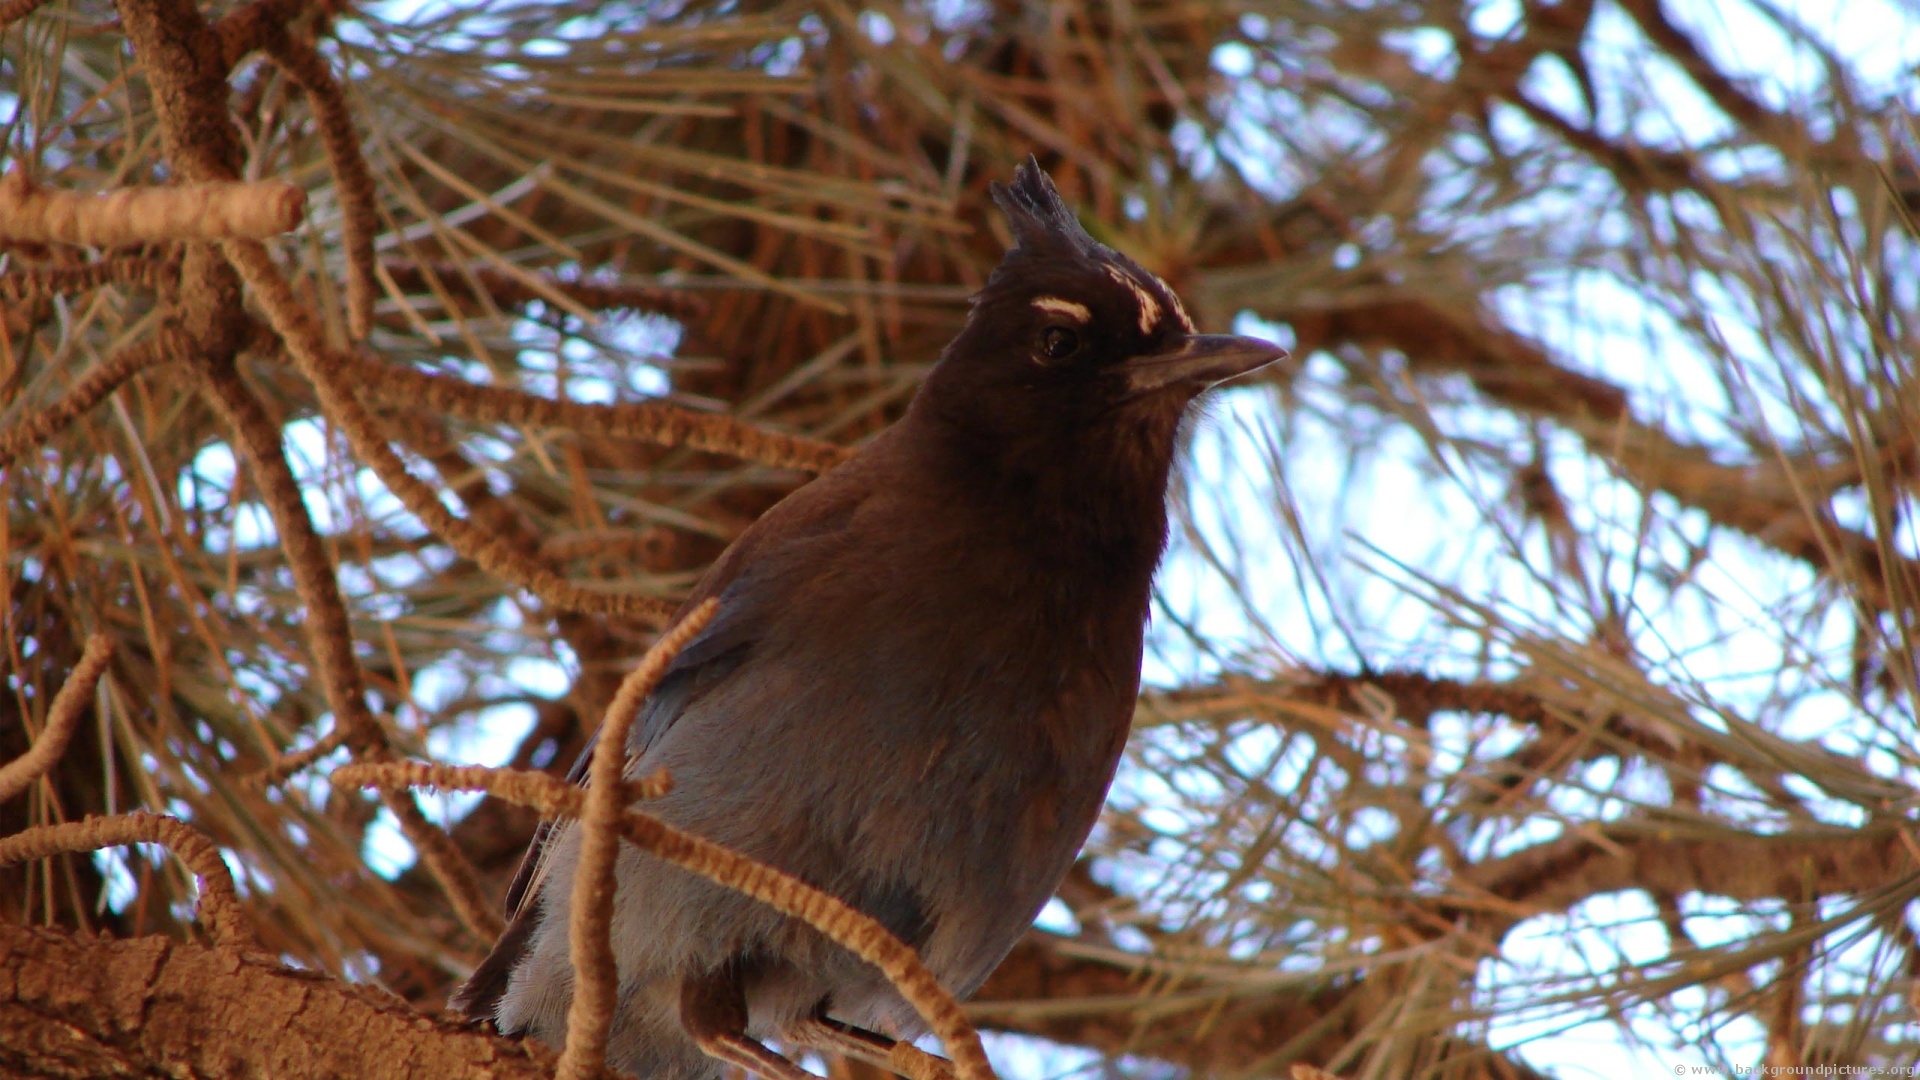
x=1179 y=309
x=1064 y=307
x=1149 y=307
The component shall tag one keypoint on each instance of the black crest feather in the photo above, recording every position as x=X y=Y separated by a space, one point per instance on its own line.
x=1039 y=219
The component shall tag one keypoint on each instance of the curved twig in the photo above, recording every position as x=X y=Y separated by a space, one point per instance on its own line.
x=219 y=904
x=63 y=716
x=168 y=344
x=303 y=63
x=288 y=764
x=595 y=975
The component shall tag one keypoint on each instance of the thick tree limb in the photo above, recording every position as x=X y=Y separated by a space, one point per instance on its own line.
x=90 y=1008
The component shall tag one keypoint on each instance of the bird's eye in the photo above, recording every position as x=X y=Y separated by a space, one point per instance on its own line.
x=1058 y=342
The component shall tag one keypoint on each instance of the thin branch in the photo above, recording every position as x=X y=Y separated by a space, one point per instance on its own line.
x=286 y=765
x=296 y=325
x=248 y=27
x=645 y=546
x=595 y=974
x=846 y=926
x=211 y=210
x=63 y=716
x=1782 y=131
x=351 y=178
x=1564 y=734
x=186 y=67
x=1638 y=169
x=168 y=344
x=160 y=276
x=331 y=640
x=1628 y=855
x=531 y=788
x=219 y=903
x=1044 y=990
x=505 y=290
x=180 y=57
x=659 y=424
x=1414 y=693
x=1761 y=501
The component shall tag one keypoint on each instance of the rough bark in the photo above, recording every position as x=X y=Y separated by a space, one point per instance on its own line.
x=77 y=1007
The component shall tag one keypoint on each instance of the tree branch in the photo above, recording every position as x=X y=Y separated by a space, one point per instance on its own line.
x=1762 y=500
x=1117 y=1010
x=1557 y=875
x=82 y=1007
x=203 y=211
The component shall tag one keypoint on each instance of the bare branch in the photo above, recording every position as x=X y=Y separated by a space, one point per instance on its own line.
x=249 y=26
x=168 y=344
x=1762 y=501
x=595 y=983
x=286 y=765
x=1629 y=855
x=219 y=903
x=331 y=639
x=296 y=325
x=350 y=176
x=506 y=290
x=14 y=10
x=1042 y=989
x=1783 y=132
x=160 y=276
x=193 y=211
x=660 y=424
x=68 y=707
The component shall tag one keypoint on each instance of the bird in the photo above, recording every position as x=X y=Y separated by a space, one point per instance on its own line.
x=917 y=686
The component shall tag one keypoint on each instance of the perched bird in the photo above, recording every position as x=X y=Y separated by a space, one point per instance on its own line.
x=917 y=686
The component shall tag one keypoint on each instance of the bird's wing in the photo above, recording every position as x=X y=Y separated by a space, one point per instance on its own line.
x=704 y=661
x=746 y=580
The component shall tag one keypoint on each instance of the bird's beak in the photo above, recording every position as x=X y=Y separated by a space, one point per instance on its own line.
x=1199 y=361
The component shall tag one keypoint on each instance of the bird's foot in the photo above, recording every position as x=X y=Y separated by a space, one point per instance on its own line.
x=713 y=1010
x=903 y=1058
x=748 y=1054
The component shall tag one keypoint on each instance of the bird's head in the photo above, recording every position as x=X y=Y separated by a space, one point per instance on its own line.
x=1070 y=340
